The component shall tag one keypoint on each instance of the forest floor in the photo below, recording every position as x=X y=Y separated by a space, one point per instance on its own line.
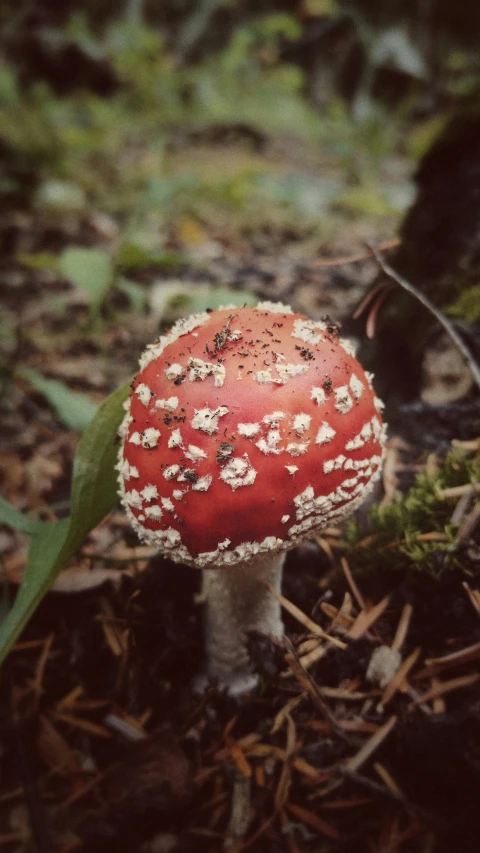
x=104 y=747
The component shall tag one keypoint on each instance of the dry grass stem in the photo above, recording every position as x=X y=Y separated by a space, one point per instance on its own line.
x=304 y=620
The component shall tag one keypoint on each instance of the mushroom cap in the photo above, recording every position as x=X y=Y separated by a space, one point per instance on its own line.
x=246 y=430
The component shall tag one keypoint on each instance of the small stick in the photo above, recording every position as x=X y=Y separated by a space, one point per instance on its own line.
x=353 y=586
x=368 y=748
x=400 y=676
x=402 y=628
x=308 y=684
x=365 y=620
x=447 y=325
x=447 y=687
x=304 y=620
x=353 y=259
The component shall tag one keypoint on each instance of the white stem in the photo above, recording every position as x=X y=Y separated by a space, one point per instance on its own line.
x=237 y=601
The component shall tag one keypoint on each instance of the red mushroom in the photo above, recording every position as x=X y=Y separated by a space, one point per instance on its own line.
x=247 y=430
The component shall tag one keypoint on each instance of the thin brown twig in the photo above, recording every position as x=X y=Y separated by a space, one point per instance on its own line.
x=425 y=301
x=311 y=688
x=353 y=259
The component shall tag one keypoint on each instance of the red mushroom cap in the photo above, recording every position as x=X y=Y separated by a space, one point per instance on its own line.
x=247 y=428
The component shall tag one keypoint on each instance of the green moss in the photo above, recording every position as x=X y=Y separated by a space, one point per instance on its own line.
x=397 y=537
x=467 y=306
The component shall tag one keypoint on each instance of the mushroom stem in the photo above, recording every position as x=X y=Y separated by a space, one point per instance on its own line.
x=237 y=601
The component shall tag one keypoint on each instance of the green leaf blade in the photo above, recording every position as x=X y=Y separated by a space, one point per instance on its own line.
x=89 y=269
x=74 y=409
x=94 y=493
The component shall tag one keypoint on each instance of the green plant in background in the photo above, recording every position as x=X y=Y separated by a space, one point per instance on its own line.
x=114 y=152
x=415 y=532
x=53 y=543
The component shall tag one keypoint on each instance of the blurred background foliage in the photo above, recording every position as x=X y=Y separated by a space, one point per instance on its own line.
x=113 y=106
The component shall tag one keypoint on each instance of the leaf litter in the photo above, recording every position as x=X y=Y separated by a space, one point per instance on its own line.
x=119 y=755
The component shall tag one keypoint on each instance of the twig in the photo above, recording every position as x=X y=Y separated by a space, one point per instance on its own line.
x=304 y=620
x=354 y=259
x=308 y=684
x=447 y=325
x=353 y=586
x=402 y=627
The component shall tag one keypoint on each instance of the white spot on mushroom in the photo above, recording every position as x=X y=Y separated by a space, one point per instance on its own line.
x=348 y=346
x=274 y=307
x=269 y=445
x=178 y=494
x=175 y=439
x=126 y=470
x=167 y=504
x=369 y=377
x=343 y=401
x=309 y=330
x=302 y=422
x=288 y=371
x=350 y=482
x=170 y=405
x=328 y=466
x=143 y=393
x=274 y=418
x=248 y=430
x=135 y=438
x=366 y=431
x=377 y=428
x=171 y=472
x=358 y=489
x=322 y=504
x=150 y=437
x=340 y=495
x=199 y=370
x=206 y=419
x=325 y=434
x=318 y=396
x=236 y=335
x=133 y=498
x=149 y=492
x=356 y=386
x=187 y=475
x=297 y=448
x=173 y=371
x=304 y=503
x=202 y=484
x=181 y=327
x=168 y=538
x=284 y=519
x=264 y=377
x=195 y=453
x=379 y=404
x=291 y=469
x=125 y=425
x=355 y=443
x=238 y=472
x=153 y=512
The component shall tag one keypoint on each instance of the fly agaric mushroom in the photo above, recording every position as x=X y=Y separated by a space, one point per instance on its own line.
x=247 y=430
